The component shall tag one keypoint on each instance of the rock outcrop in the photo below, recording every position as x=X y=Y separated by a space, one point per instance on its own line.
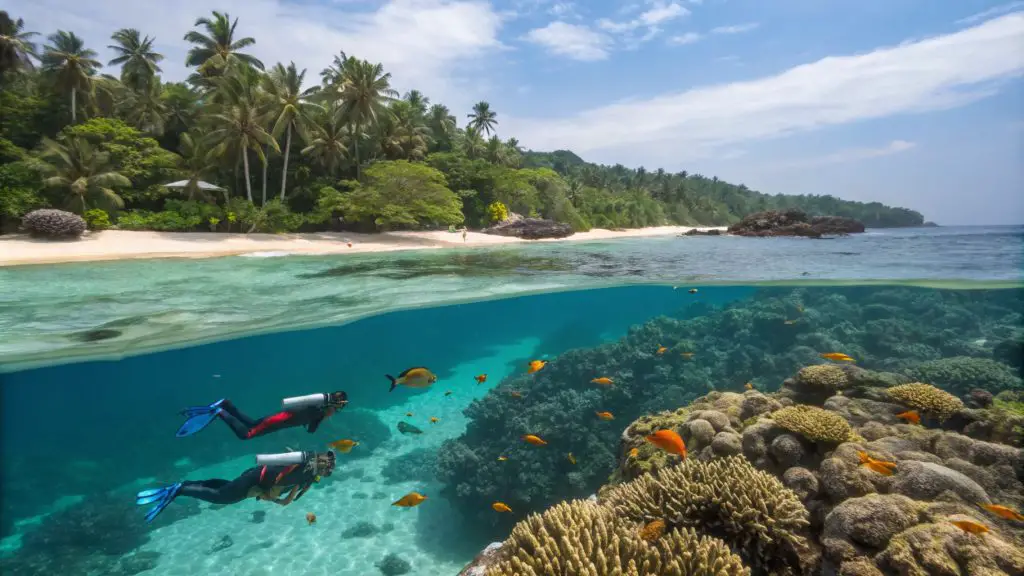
x=794 y=223
x=530 y=229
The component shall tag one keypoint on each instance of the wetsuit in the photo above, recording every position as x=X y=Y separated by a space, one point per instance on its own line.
x=245 y=427
x=219 y=491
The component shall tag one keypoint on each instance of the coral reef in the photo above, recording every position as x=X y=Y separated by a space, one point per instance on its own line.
x=814 y=423
x=926 y=398
x=393 y=565
x=960 y=374
x=584 y=538
x=50 y=223
x=419 y=464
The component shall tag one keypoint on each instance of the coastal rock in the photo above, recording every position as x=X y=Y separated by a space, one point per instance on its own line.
x=531 y=229
x=863 y=526
x=794 y=223
x=701 y=232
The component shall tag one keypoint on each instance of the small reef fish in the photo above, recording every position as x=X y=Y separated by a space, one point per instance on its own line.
x=603 y=381
x=669 y=441
x=634 y=452
x=789 y=322
x=406 y=428
x=880 y=466
x=410 y=500
x=911 y=416
x=515 y=394
x=605 y=415
x=447 y=392
x=687 y=355
x=480 y=378
x=343 y=446
x=970 y=526
x=500 y=507
x=502 y=458
x=536 y=366
x=1003 y=512
x=661 y=350
x=571 y=458
x=408 y=414
x=837 y=356
x=748 y=386
x=693 y=290
x=418 y=377
x=534 y=439
x=310 y=518
x=434 y=420
x=653 y=530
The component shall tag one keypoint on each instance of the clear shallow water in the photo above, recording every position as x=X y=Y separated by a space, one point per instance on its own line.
x=76 y=311
x=79 y=438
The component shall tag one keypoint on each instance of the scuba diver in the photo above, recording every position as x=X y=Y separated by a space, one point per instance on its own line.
x=308 y=411
x=272 y=475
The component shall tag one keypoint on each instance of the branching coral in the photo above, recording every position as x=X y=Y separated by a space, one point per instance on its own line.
x=586 y=539
x=962 y=373
x=748 y=508
x=814 y=423
x=927 y=398
x=824 y=376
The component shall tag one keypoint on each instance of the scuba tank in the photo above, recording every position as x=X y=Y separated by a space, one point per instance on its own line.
x=296 y=403
x=284 y=458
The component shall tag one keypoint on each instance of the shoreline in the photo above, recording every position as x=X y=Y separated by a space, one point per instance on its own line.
x=16 y=250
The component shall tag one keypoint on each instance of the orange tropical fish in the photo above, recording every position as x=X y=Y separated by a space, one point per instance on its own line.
x=534 y=439
x=310 y=518
x=880 y=466
x=653 y=530
x=480 y=378
x=661 y=350
x=634 y=452
x=343 y=446
x=500 y=507
x=536 y=366
x=410 y=500
x=748 y=386
x=837 y=356
x=502 y=458
x=516 y=394
x=911 y=416
x=669 y=441
x=605 y=415
x=1003 y=512
x=571 y=458
x=687 y=355
x=603 y=381
x=970 y=526
x=434 y=420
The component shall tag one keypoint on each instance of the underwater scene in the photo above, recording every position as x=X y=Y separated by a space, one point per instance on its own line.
x=684 y=407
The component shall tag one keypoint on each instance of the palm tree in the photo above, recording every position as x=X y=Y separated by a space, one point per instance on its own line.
x=418 y=101
x=289 y=108
x=71 y=63
x=473 y=145
x=217 y=49
x=442 y=126
x=363 y=94
x=237 y=123
x=145 y=108
x=16 y=48
x=327 y=144
x=196 y=164
x=403 y=133
x=496 y=152
x=83 y=173
x=136 y=56
x=334 y=74
x=483 y=118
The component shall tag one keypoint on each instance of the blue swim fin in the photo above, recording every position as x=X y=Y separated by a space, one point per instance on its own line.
x=162 y=497
x=199 y=417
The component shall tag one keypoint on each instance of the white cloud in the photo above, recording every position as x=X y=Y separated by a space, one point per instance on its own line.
x=937 y=73
x=994 y=11
x=571 y=40
x=562 y=9
x=850 y=155
x=688 y=38
x=735 y=29
x=426 y=44
x=659 y=13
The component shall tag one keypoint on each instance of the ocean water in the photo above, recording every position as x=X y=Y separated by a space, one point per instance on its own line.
x=96 y=361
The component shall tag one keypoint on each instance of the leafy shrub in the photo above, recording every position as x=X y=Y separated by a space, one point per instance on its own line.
x=165 y=221
x=20 y=188
x=50 y=223
x=397 y=194
x=273 y=217
x=97 y=219
x=497 y=212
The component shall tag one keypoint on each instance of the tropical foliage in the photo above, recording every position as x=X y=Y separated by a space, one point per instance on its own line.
x=284 y=154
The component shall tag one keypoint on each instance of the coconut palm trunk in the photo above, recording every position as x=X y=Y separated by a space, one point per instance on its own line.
x=72 y=105
x=287 y=150
x=355 y=144
x=266 y=155
x=248 y=184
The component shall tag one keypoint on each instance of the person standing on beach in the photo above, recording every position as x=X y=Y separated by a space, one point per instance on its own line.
x=464 y=234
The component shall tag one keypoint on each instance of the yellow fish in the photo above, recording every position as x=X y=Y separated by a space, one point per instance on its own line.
x=310 y=518
x=409 y=500
x=536 y=366
x=418 y=377
x=661 y=350
x=634 y=452
x=502 y=458
x=748 y=386
x=687 y=355
x=571 y=458
x=434 y=420
x=500 y=507
x=534 y=439
x=653 y=530
x=408 y=414
x=603 y=381
x=837 y=356
x=605 y=415
x=344 y=446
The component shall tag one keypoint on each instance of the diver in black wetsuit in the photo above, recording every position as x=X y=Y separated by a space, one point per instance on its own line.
x=310 y=416
x=260 y=482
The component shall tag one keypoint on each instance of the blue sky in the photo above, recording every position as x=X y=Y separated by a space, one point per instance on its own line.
x=917 y=103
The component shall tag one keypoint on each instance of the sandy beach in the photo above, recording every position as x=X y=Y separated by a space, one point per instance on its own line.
x=120 y=244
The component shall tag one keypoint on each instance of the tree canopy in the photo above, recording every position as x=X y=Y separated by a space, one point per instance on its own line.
x=290 y=154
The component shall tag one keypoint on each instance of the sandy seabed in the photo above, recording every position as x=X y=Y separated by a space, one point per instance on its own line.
x=121 y=244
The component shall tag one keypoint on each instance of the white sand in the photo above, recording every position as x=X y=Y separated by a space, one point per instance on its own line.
x=120 y=244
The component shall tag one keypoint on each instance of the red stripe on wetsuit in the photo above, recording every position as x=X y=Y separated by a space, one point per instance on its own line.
x=266 y=423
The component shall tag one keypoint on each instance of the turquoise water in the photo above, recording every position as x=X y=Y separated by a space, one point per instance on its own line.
x=99 y=358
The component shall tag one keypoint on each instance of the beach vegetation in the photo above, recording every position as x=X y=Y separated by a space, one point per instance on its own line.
x=276 y=144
